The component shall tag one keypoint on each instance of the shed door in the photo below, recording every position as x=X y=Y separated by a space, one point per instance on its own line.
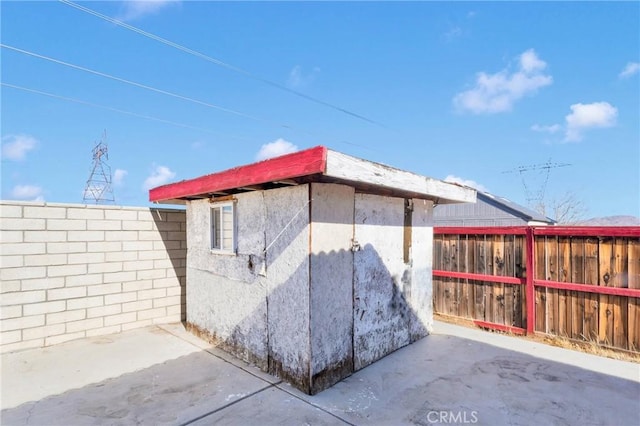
x=381 y=314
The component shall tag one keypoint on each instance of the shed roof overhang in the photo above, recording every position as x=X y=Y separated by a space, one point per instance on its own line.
x=318 y=164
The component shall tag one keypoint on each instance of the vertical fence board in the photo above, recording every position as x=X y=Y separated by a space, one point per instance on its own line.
x=471 y=268
x=457 y=283
x=436 y=294
x=633 y=310
x=520 y=300
x=591 y=301
x=490 y=295
x=437 y=265
x=452 y=284
x=437 y=252
x=620 y=278
x=498 y=288
x=509 y=271
x=541 y=293
x=605 y=329
x=564 y=296
x=480 y=266
x=577 y=298
x=464 y=310
x=552 y=293
x=446 y=283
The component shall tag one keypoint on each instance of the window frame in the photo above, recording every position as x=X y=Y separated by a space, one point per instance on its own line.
x=220 y=206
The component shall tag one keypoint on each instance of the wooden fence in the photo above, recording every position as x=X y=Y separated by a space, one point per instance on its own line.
x=582 y=283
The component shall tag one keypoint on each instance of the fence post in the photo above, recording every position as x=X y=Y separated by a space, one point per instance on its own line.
x=530 y=272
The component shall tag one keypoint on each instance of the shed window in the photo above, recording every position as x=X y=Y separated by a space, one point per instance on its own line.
x=223 y=228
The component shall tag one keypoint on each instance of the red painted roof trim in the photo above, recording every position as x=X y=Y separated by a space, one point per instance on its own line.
x=588 y=231
x=303 y=163
x=551 y=230
x=480 y=230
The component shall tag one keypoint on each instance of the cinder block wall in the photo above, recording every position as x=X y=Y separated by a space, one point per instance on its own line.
x=70 y=271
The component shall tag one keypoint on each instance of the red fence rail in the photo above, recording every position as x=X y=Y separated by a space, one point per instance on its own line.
x=582 y=283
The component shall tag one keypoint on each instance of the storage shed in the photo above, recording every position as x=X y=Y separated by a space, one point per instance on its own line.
x=311 y=265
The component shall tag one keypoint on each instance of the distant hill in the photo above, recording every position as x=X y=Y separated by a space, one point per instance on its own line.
x=611 y=221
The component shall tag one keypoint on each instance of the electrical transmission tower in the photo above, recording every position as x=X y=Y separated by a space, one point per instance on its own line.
x=98 y=188
x=534 y=191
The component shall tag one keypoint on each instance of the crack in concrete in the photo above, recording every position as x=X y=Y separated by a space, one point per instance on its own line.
x=28 y=419
x=217 y=410
x=271 y=385
x=324 y=410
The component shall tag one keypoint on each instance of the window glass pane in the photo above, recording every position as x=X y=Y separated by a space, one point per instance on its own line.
x=215 y=228
x=227 y=228
x=223 y=227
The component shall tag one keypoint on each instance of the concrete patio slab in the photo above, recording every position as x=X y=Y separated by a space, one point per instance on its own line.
x=270 y=407
x=164 y=375
x=467 y=381
x=56 y=369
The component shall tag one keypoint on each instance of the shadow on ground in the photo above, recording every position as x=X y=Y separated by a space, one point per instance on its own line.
x=440 y=379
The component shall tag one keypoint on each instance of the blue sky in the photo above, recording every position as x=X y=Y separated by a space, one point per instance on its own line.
x=452 y=90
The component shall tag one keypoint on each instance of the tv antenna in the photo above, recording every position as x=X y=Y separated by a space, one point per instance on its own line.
x=98 y=188
x=535 y=196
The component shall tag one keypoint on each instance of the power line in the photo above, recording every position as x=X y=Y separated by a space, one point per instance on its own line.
x=120 y=111
x=143 y=116
x=218 y=62
x=164 y=92
x=140 y=85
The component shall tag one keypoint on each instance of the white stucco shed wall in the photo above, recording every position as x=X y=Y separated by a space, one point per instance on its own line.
x=287 y=274
x=226 y=298
x=421 y=299
x=332 y=293
x=392 y=295
x=331 y=287
x=262 y=319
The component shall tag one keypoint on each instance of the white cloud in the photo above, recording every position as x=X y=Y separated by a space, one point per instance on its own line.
x=297 y=78
x=453 y=32
x=275 y=149
x=588 y=116
x=27 y=192
x=554 y=128
x=630 y=69
x=465 y=182
x=530 y=63
x=494 y=93
x=95 y=192
x=15 y=147
x=159 y=176
x=134 y=9
x=118 y=176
